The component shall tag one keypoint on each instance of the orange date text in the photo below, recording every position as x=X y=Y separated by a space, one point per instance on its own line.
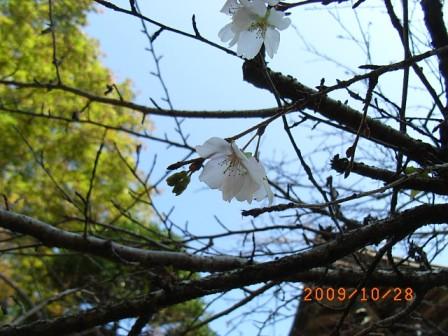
x=341 y=294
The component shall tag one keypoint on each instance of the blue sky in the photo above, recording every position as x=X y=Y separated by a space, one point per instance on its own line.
x=200 y=77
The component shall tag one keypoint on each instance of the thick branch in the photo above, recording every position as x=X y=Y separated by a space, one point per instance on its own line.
x=435 y=185
x=432 y=10
x=290 y=88
x=51 y=236
x=195 y=289
x=399 y=225
x=350 y=278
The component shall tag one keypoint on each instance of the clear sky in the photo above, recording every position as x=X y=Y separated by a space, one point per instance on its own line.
x=200 y=77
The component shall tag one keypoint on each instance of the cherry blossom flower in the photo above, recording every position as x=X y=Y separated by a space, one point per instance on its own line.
x=235 y=173
x=254 y=22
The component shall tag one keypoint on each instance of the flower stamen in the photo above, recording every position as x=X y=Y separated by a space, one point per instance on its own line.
x=235 y=173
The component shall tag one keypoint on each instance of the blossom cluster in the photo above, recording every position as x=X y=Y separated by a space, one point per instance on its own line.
x=254 y=23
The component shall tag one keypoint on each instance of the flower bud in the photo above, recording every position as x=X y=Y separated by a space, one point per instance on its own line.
x=179 y=182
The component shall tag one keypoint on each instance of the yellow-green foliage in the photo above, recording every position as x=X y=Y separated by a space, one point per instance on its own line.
x=45 y=161
x=68 y=150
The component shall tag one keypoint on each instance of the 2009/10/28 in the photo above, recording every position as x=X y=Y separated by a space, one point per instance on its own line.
x=365 y=294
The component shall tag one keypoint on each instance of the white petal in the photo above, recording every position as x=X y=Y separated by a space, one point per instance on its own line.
x=258 y=174
x=249 y=43
x=226 y=33
x=213 y=173
x=265 y=190
x=269 y=192
x=242 y=20
x=255 y=170
x=278 y=20
x=241 y=156
x=213 y=146
x=257 y=7
x=248 y=190
x=234 y=40
x=230 y=6
x=271 y=41
x=232 y=185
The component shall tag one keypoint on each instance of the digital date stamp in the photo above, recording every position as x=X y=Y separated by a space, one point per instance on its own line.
x=364 y=294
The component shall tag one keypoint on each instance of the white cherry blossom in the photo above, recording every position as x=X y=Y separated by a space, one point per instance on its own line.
x=233 y=172
x=254 y=22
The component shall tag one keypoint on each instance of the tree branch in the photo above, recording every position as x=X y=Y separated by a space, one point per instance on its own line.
x=399 y=225
x=261 y=113
x=435 y=185
x=52 y=236
x=432 y=10
x=306 y=97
